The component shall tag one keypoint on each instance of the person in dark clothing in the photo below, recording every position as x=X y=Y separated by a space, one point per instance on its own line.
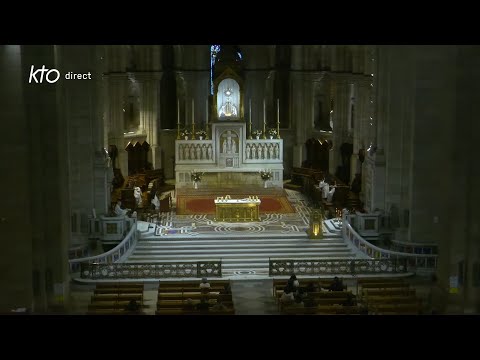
x=336 y=285
x=202 y=305
x=132 y=306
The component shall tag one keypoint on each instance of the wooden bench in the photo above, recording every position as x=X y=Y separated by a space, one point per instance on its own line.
x=181 y=311
x=279 y=284
x=118 y=291
x=389 y=292
x=108 y=305
x=374 y=300
x=322 y=310
x=115 y=297
x=118 y=286
x=188 y=289
x=396 y=309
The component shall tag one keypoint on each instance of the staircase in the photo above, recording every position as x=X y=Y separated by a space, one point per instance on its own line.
x=246 y=254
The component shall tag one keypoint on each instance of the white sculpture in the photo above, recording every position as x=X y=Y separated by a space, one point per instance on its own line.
x=192 y=153
x=204 y=152
x=270 y=151
x=248 y=151
x=209 y=151
x=224 y=146
x=198 y=151
x=264 y=150
x=137 y=193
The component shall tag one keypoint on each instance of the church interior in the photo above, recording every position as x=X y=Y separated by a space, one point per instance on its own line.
x=240 y=179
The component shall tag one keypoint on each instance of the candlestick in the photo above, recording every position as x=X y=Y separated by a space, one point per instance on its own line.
x=264 y=120
x=178 y=119
x=206 y=117
x=193 y=119
x=278 y=118
x=250 y=117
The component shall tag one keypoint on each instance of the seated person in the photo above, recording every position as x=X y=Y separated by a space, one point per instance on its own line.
x=202 y=305
x=293 y=282
x=119 y=211
x=287 y=296
x=132 y=306
x=336 y=285
x=189 y=304
x=323 y=186
x=330 y=194
x=137 y=193
x=204 y=285
x=156 y=203
x=350 y=300
x=298 y=303
x=311 y=288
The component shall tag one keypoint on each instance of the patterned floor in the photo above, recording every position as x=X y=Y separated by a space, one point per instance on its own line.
x=171 y=224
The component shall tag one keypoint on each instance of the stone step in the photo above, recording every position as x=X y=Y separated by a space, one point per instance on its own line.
x=234 y=257
x=226 y=242
x=234 y=247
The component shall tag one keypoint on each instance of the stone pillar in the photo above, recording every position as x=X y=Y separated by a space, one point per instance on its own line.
x=149 y=113
x=340 y=116
x=299 y=114
x=34 y=265
x=115 y=117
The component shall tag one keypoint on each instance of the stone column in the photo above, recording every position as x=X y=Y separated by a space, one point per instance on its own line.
x=115 y=117
x=340 y=116
x=149 y=113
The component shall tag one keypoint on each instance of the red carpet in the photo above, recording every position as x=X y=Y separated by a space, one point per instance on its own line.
x=203 y=204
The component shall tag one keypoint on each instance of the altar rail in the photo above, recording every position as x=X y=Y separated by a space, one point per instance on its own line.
x=117 y=253
x=210 y=269
x=414 y=262
x=414 y=248
x=332 y=267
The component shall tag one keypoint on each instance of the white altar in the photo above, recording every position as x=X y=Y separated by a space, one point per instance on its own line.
x=229 y=158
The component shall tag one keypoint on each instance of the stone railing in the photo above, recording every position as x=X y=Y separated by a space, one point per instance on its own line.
x=194 y=152
x=332 y=267
x=115 y=271
x=263 y=151
x=414 y=248
x=116 y=254
x=414 y=262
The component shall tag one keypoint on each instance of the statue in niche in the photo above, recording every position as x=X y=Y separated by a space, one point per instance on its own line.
x=204 y=152
x=248 y=152
x=180 y=152
x=264 y=150
x=277 y=151
x=255 y=154
x=209 y=152
x=224 y=147
x=185 y=152
x=270 y=151
x=198 y=151
x=234 y=146
x=192 y=153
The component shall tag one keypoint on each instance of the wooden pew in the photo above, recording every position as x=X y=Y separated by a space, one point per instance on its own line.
x=115 y=297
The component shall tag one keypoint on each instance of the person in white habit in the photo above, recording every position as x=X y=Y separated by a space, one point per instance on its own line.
x=323 y=186
x=137 y=193
x=330 y=194
x=155 y=202
x=119 y=211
